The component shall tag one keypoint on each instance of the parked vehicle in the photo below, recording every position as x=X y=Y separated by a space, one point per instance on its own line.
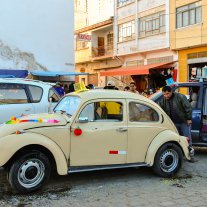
x=20 y=97
x=91 y=130
x=196 y=92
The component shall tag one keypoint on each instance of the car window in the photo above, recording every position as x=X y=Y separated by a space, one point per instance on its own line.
x=142 y=113
x=53 y=95
x=106 y=111
x=12 y=94
x=36 y=93
x=68 y=104
x=191 y=94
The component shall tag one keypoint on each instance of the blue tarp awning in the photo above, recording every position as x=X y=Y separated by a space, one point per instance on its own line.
x=7 y=73
x=56 y=74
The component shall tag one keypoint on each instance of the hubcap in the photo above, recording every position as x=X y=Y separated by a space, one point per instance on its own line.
x=31 y=173
x=169 y=160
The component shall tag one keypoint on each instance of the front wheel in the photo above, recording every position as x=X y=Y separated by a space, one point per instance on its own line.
x=168 y=160
x=29 y=172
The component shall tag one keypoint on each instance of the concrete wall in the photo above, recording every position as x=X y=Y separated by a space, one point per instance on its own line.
x=37 y=34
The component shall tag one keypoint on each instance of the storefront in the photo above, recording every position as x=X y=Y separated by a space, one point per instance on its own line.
x=192 y=64
x=148 y=78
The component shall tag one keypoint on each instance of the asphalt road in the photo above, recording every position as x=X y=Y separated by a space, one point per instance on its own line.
x=126 y=187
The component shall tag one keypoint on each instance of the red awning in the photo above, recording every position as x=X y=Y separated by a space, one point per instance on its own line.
x=134 y=70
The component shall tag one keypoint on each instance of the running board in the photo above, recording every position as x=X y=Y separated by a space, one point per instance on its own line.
x=104 y=167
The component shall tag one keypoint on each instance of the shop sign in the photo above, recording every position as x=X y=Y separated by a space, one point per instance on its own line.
x=84 y=37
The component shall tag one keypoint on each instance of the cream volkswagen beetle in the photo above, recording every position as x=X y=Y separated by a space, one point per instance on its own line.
x=91 y=130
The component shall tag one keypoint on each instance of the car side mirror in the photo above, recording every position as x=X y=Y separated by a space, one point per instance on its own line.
x=83 y=120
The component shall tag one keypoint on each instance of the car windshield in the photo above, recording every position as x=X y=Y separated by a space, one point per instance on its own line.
x=68 y=105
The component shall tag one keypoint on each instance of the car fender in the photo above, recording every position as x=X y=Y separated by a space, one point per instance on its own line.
x=162 y=138
x=10 y=144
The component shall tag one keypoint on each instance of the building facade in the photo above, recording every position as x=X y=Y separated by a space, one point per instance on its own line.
x=141 y=41
x=188 y=36
x=94 y=49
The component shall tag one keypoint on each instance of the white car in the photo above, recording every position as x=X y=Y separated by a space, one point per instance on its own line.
x=19 y=97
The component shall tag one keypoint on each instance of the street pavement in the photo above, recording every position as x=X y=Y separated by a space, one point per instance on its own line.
x=126 y=187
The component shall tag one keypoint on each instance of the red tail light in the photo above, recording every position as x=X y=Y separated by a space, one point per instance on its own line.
x=188 y=139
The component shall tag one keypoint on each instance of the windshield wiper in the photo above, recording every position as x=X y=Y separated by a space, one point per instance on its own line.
x=63 y=112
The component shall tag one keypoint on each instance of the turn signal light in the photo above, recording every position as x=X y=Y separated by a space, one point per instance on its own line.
x=19 y=132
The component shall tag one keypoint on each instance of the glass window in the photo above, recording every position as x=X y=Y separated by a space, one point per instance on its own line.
x=123 y=2
x=142 y=113
x=152 y=24
x=68 y=104
x=53 y=95
x=12 y=94
x=36 y=93
x=126 y=31
x=188 y=15
x=108 y=111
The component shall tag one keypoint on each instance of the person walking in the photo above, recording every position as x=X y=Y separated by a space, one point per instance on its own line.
x=178 y=108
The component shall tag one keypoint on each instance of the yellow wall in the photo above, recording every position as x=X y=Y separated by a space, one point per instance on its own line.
x=183 y=65
x=190 y=36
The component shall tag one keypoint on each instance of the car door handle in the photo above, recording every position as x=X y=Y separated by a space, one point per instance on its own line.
x=28 y=109
x=122 y=129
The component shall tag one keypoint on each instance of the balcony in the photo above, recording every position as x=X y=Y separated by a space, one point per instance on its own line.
x=102 y=52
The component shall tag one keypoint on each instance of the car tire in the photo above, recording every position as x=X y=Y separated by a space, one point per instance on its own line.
x=29 y=172
x=168 y=160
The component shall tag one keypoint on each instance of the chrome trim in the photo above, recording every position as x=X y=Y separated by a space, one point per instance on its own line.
x=105 y=167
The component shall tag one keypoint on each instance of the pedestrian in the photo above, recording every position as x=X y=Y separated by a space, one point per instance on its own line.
x=132 y=88
x=59 y=89
x=111 y=85
x=178 y=108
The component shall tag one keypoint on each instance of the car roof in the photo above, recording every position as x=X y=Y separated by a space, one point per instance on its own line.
x=109 y=94
x=25 y=81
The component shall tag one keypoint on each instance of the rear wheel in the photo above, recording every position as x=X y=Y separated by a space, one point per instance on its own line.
x=168 y=160
x=29 y=172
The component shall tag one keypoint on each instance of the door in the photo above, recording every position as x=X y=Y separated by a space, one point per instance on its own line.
x=144 y=123
x=194 y=94
x=104 y=134
x=14 y=101
x=101 y=49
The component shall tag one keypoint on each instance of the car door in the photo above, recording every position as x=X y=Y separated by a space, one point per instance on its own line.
x=104 y=134
x=37 y=98
x=194 y=95
x=144 y=124
x=14 y=101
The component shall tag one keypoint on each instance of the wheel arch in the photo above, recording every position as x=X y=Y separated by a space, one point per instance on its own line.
x=14 y=145
x=164 y=138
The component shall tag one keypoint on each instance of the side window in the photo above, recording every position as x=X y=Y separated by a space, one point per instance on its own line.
x=142 y=113
x=53 y=95
x=108 y=111
x=191 y=94
x=36 y=93
x=12 y=94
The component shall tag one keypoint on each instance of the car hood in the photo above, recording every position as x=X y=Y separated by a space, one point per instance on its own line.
x=32 y=121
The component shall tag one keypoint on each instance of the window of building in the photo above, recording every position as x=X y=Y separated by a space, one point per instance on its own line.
x=108 y=111
x=142 y=113
x=152 y=24
x=126 y=31
x=36 y=93
x=81 y=45
x=110 y=41
x=12 y=94
x=123 y=2
x=188 y=15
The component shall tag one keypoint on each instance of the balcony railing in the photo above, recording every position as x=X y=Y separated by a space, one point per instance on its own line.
x=102 y=51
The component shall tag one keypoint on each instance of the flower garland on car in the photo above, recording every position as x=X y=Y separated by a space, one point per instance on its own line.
x=15 y=120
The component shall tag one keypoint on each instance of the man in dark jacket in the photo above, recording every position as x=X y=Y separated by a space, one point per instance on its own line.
x=178 y=108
